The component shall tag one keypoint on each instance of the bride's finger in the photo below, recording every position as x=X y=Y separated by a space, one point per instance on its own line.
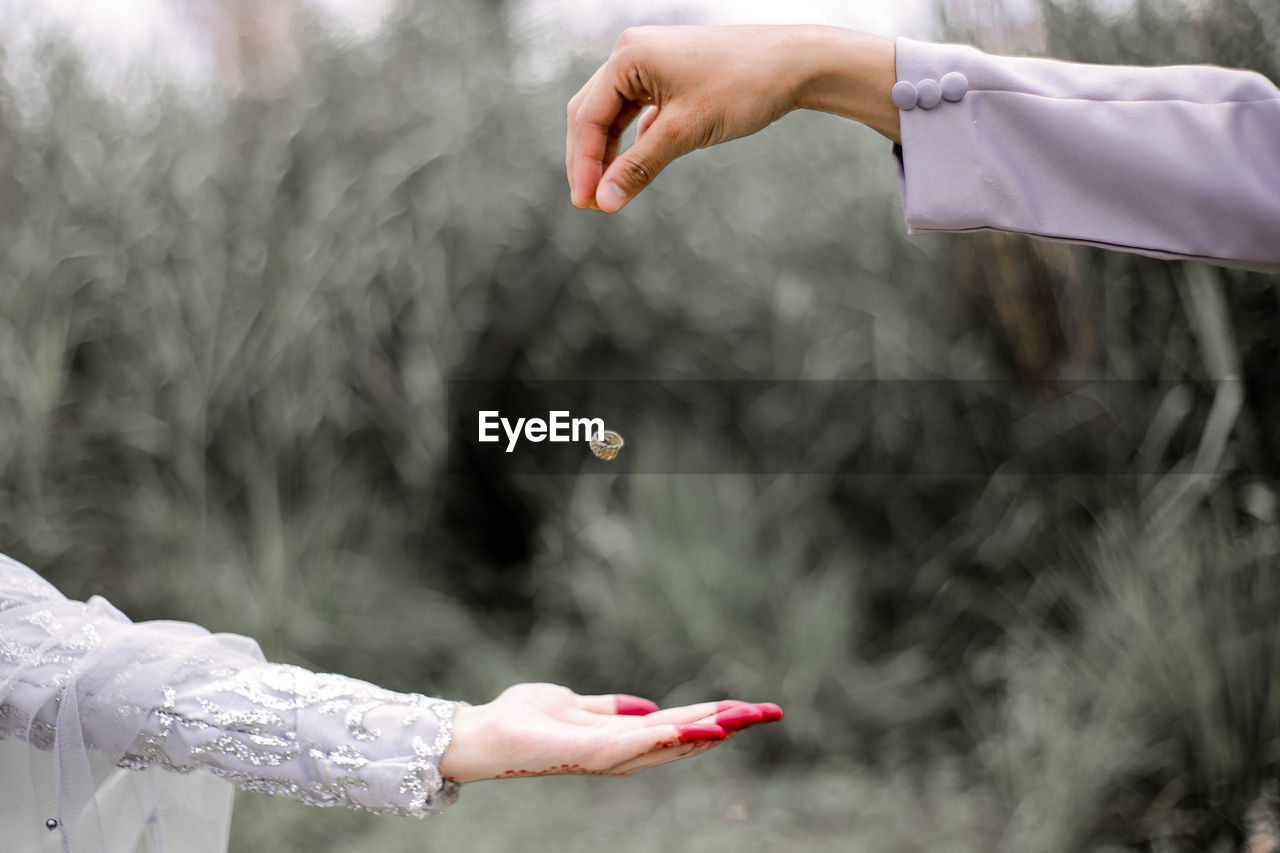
x=738 y=718
x=617 y=703
x=689 y=713
x=661 y=756
x=757 y=712
x=739 y=715
x=639 y=742
x=733 y=717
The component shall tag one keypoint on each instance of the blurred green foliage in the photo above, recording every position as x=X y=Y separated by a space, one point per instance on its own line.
x=1166 y=677
x=227 y=330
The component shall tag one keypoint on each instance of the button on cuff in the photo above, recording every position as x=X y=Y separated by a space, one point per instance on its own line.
x=953 y=85
x=903 y=95
x=928 y=94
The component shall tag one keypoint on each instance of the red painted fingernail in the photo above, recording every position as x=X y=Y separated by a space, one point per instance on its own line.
x=726 y=704
x=738 y=718
x=699 y=732
x=633 y=706
x=770 y=711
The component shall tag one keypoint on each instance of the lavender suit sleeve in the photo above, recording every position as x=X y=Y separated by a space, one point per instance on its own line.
x=1178 y=162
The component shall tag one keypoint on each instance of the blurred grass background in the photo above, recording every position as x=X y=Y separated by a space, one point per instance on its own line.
x=229 y=315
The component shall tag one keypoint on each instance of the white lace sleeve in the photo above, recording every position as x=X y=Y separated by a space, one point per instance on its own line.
x=80 y=677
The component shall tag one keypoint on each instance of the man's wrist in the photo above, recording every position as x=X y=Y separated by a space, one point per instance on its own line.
x=847 y=73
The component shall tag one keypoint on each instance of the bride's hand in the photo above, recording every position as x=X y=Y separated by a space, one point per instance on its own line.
x=541 y=729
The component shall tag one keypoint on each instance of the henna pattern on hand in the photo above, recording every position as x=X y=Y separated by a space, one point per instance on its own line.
x=569 y=769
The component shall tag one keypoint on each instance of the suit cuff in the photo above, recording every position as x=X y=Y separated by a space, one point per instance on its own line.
x=1165 y=161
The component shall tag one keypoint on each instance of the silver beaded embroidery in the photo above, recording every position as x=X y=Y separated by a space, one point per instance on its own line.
x=42 y=619
x=422 y=781
x=241 y=724
x=257 y=738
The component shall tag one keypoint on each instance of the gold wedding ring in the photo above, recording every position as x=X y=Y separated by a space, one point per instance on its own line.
x=607 y=446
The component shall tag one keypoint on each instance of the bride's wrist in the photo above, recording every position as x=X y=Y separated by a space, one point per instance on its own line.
x=458 y=763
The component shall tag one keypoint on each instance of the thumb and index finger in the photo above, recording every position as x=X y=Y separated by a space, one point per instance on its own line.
x=599 y=176
x=660 y=142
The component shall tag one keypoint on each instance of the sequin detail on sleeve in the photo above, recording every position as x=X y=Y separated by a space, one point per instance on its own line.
x=284 y=731
x=171 y=695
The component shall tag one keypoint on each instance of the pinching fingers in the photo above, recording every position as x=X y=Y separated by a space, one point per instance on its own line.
x=571 y=128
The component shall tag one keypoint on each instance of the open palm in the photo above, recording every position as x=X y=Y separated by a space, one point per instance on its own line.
x=541 y=729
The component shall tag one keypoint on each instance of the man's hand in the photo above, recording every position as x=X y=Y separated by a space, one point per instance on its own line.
x=699 y=86
x=542 y=729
